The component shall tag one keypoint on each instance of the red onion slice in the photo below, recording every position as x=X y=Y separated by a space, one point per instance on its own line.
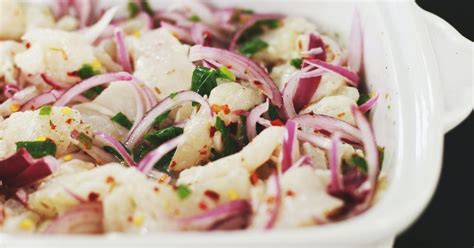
x=289 y=145
x=90 y=83
x=15 y=164
x=314 y=139
x=364 y=108
x=200 y=35
x=117 y=146
x=41 y=100
x=335 y=163
x=147 y=163
x=163 y=106
x=274 y=190
x=371 y=156
x=40 y=169
x=250 y=23
x=86 y=218
x=84 y=11
x=304 y=160
x=356 y=44
x=224 y=211
x=122 y=52
x=181 y=33
x=350 y=76
x=252 y=119
x=242 y=67
x=10 y=90
x=315 y=42
x=330 y=124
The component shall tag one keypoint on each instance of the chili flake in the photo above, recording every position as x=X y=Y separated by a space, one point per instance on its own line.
x=212 y=195
x=93 y=196
x=202 y=205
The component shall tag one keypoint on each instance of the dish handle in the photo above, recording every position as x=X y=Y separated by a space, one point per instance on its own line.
x=454 y=55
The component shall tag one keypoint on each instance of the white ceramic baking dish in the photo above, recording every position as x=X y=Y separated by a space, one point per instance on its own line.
x=424 y=70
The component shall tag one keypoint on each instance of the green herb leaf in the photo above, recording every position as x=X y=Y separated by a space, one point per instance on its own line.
x=45 y=110
x=85 y=140
x=257 y=29
x=163 y=164
x=252 y=47
x=161 y=118
x=195 y=18
x=140 y=151
x=231 y=145
x=173 y=95
x=225 y=73
x=359 y=162
x=363 y=99
x=147 y=7
x=204 y=80
x=93 y=92
x=183 y=191
x=133 y=9
x=114 y=152
x=381 y=155
x=38 y=149
x=161 y=136
x=273 y=112
x=87 y=71
x=296 y=63
x=122 y=120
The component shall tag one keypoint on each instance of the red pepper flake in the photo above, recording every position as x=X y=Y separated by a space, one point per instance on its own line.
x=277 y=122
x=156 y=189
x=73 y=74
x=203 y=151
x=130 y=219
x=51 y=125
x=173 y=164
x=271 y=200
x=212 y=195
x=340 y=115
x=290 y=193
x=220 y=108
x=93 y=196
x=110 y=180
x=254 y=178
x=229 y=66
x=212 y=131
x=28 y=45
x=300 y=45
x=202 y=205
x=69 y=121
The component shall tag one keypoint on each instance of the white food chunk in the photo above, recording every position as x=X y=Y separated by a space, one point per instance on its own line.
x=283 y=41
x=304 y=200
x=318 y=156
x=38 y=16
x=329 y=85
x=30 y=126
x=256 y=153
x=281 y=74
x=8 y=70
x=229 y=97
x=336 y=106
x=12 y=19
x=162 y=63
x=196 y=145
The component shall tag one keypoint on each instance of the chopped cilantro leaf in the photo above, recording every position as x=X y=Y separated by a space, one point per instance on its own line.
x=161 y=118
x=241 y=132
x=173 y=95
x=381 y=155
x=163 y=164
x=363 y=99
x=183 y=191
x=257 y=29
x=133 y=9
x=296 y=63
x=359 y=162
x=252 y=47
x=140 y=151
x=195 y=18
x=161 y=136
x=273 y=113
x=225 y=73
x=122 y=120
x=45 y=110
x=85 y=140
x=38 y=149
x=87 y=71
x=147 y=7
x=203 y=80
x=230 y=143
x=93 y=92
x=114 y=152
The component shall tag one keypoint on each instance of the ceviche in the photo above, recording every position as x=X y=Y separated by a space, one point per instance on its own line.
x=190 y=117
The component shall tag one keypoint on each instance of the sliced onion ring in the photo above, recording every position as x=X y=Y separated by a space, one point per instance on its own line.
x=289 y=145
x=147 y=163
x=117 y=146
x=364 y=108
x=350 y=76
x=122 y=52
x=252 y=119
x=163 y=106
x=335 y=163
x=242 y=67
x=86 y=218
x=91 y=83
